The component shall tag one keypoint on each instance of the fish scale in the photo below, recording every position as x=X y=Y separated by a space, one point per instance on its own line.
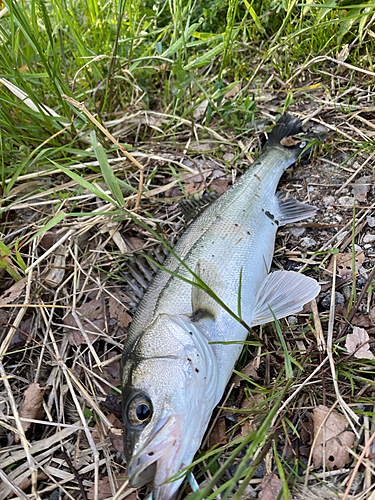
x=232 y=239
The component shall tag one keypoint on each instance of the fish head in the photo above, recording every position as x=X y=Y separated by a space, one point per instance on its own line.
x=169 y=389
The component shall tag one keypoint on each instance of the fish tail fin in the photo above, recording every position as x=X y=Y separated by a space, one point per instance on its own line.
x=284 y=135
x=287 y=126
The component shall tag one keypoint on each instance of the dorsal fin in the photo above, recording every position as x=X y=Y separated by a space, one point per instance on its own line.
x=194 y=207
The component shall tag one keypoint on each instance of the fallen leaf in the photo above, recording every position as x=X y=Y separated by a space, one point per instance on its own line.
x=113 y=369
x=344 y=263
x=289 y=141
x=31 y=406
x=220 y=185
x=26 y=482
x=135 y=243
x=118 y=312
x=233 y=91
x=271 y=487
x=361 y=187
x=191 y=188
x=359 y=319
x=333 y=436
x=354 y=344
x=49 y=238
x=93 y=311
x=13 y=292
x=218 y=433
x=248 y=371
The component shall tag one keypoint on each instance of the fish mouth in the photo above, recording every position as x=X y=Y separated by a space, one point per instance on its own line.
x=159 y=460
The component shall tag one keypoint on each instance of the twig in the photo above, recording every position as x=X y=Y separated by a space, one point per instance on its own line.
x=74 y=471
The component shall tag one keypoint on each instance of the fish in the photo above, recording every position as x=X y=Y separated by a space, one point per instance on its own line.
x=176 y=363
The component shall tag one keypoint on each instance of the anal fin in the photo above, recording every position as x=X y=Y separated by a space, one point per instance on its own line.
x=291 y=210
x=285 y=293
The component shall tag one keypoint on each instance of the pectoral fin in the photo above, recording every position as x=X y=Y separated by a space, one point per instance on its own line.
x=204 y=305
x=285 y=293
x=291 y=210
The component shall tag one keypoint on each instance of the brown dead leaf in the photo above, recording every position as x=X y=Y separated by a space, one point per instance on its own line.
x=344 y=263
x=359 y=318
x=357 y=343
x=49 y=238
x=26 y=481
x=93 y=311
x=13 y=292
x=334 y=436
x=118 y=312
x=271 y=487
x=248 y=371
x=31 y=406
x=105 y=490
x=113 y=369
x=361 y=187
x=220 y=185
x=233 y=91
x=191 y=188
x=218 y=433
x=135 y=243
x=289 y=141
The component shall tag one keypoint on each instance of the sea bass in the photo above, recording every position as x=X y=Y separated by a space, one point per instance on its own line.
x=172 y=375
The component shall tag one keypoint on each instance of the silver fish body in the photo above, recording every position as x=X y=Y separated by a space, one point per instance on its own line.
x=172 y=377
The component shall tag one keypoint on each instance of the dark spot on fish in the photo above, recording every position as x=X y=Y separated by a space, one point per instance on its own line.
x=248 y=232
x=236 y=225
x=151 y=453
x=191 y=333
x=197 y=370
x=262 y=209
x=257 y=176
x=205 y=378
x=197 y=354
x=213 y=242
x=271 y=216
x=277 y=222
x=189 y=359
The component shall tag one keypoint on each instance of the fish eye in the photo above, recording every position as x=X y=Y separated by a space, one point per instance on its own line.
x=139 y=410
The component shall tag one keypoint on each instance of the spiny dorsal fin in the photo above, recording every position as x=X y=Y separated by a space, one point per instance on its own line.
x=194 y=207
